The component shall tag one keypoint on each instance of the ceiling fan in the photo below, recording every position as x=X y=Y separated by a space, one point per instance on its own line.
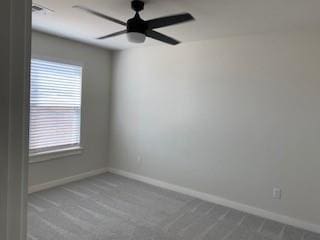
x=138 y=29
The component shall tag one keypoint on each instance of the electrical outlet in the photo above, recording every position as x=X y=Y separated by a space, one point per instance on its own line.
x=276 y=193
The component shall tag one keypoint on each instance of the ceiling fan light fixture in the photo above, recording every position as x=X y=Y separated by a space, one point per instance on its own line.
x=136 y=37
x=138 y=29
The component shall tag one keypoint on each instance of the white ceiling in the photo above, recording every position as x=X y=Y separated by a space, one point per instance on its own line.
x=214 y=18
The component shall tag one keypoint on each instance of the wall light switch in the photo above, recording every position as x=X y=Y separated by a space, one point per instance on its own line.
x=277 y=193
x=139 y=160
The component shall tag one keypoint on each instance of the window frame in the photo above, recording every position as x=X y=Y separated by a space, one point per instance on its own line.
x=64 y=151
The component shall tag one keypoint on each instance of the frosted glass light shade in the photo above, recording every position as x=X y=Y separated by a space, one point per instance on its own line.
x=136 y=37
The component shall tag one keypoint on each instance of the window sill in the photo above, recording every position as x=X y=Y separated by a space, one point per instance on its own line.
x=56 y=154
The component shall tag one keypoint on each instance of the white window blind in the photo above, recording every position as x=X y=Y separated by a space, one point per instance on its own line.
x=55 y=106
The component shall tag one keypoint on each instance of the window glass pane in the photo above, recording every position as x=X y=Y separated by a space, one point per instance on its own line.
x=55 y=105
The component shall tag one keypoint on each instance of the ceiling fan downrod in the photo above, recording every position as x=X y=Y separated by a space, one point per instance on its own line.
x=137 y=5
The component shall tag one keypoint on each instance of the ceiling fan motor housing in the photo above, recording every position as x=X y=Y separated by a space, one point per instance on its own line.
x=136 y=24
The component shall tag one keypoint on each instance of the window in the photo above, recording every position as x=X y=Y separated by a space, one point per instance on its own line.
x=55 y=106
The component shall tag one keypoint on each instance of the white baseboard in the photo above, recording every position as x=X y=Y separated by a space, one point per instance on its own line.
x=58 y=182
x=222 y=201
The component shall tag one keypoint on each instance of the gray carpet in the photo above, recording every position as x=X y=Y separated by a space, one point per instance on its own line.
x=110 y=207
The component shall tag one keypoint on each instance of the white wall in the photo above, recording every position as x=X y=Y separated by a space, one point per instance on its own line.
x=233 y=117
x=95 y=103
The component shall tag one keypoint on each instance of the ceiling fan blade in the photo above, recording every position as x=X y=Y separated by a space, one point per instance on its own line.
x=169 y=20
x=100 y=15
x=161 y=37
x=113 y=34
